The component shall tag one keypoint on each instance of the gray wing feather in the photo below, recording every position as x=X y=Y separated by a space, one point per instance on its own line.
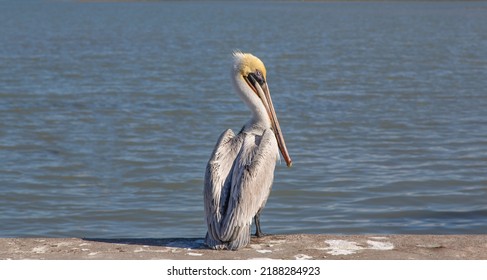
x=217 y=172
x=250 y=186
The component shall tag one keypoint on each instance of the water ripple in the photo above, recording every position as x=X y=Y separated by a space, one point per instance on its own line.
x=106 y=125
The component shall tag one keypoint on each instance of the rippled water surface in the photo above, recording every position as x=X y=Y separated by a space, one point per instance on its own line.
x=109 y=113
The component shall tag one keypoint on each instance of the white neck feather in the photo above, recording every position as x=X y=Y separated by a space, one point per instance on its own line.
x=259 y=113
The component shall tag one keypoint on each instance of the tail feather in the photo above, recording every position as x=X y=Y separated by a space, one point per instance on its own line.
x=240 y=238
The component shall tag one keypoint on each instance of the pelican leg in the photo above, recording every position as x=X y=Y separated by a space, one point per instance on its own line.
x=258 y=231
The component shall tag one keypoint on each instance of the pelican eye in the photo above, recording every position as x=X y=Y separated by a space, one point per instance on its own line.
x=257 y=77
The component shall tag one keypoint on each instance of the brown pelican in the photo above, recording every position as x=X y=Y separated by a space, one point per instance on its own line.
x=240 y=171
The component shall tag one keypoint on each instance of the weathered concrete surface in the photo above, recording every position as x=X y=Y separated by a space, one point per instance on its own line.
x=302 y=246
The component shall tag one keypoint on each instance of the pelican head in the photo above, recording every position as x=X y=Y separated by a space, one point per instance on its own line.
x=251 y=83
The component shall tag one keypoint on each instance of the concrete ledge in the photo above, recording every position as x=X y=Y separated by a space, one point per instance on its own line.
x=301 y=246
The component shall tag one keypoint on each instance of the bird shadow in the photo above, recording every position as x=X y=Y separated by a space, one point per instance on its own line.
x=184 y=243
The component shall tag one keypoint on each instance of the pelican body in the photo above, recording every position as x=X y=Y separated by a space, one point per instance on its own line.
x=240 y=171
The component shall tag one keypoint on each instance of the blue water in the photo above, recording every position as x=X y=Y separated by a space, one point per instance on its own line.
x=109 y=113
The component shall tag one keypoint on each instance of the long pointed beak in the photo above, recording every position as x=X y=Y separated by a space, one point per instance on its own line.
x=265 y=96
